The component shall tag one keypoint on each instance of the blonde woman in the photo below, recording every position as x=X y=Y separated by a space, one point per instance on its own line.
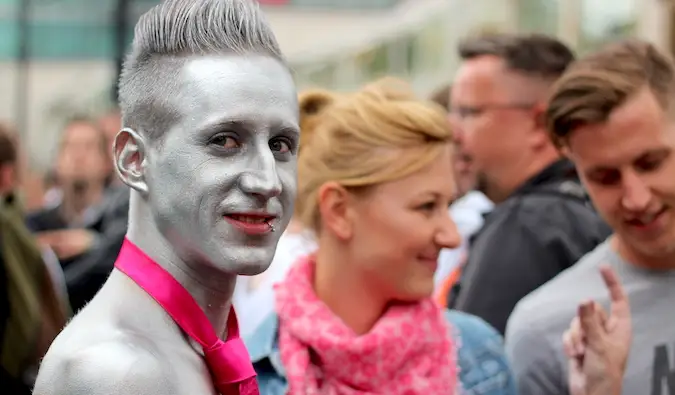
x=356 y=317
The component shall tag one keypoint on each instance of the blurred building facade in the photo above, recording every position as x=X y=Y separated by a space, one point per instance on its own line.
x=61 y=60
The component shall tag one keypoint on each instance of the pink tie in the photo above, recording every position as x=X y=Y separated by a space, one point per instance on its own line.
x=228 y=361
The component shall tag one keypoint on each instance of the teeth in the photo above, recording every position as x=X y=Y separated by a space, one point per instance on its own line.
x=647 y=218
x=249 y=220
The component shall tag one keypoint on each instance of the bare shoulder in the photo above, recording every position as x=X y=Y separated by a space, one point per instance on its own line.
x=104 y=369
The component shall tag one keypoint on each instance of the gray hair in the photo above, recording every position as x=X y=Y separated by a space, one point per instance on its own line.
x=531 y=54
x=166 y=36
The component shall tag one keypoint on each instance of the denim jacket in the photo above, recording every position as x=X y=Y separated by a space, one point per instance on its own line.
x=482 y=363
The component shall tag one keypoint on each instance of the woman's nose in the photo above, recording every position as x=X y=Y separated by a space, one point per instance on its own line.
x=448 y=236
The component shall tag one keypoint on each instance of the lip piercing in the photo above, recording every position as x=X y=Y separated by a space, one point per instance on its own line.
x=271 y=227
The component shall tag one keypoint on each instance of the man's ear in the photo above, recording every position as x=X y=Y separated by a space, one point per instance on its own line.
x=539 y=138
x=129 y=154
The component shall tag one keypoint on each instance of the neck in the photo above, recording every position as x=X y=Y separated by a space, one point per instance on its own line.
x=341 y=287
x=77 y=200
x=211 y=288
x=636 y=258
x=527 y=168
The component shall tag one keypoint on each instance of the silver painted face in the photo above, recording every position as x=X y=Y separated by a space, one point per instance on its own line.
x=228 y=169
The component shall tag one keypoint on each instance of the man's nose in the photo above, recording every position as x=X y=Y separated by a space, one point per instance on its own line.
x=457 y=130
x=636 y=193
x=261 y=178
x=448 y=236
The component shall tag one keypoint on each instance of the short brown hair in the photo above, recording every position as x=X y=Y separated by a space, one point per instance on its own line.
x=531 y=54
x=596 y=85
x=8 y=146
x=441 y=96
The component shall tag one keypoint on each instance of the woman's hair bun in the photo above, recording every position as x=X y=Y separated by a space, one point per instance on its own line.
x=313 y=104
x=389 y=89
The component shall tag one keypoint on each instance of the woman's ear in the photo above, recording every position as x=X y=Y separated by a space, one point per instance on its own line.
x=334 y=206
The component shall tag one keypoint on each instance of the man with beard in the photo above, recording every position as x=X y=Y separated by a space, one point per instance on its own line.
x=542 y=222
x=209 y=151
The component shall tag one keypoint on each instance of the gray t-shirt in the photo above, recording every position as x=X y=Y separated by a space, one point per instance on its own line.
x=534 y=332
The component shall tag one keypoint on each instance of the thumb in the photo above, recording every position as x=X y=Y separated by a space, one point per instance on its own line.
x=591 y=322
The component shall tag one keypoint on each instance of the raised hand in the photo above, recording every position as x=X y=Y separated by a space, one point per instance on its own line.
x=597 y=344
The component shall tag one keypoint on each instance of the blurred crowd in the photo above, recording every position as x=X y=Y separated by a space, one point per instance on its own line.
x=550 y=176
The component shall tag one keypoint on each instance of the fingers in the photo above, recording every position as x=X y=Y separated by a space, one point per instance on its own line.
x=616 y=291
x=574 y=340
x=591 y=319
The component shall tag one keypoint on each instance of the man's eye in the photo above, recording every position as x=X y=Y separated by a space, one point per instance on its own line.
x=223 y=141
x=280 y=145
x=606 y=177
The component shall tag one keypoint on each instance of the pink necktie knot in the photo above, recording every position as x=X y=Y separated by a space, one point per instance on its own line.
x=230 y=376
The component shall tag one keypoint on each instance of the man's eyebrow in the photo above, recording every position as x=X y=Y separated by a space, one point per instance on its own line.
x=225 y=124
x=246 y=124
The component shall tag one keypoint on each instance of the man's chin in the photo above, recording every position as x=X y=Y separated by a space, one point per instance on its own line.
x=251 y=269
x=247 y=261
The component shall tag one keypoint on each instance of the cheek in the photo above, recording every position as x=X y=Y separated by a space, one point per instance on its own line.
x=393 y=238
x=481 y=136
x=663 y=184
x=606 y=202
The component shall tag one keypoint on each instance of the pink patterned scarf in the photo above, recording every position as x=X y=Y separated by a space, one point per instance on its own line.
x=409 y=351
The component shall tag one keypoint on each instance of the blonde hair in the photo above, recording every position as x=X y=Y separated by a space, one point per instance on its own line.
x=378 y=134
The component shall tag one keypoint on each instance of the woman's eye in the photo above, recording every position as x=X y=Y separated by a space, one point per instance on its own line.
x=428 y=206
x=280 y=145
x=225 y=142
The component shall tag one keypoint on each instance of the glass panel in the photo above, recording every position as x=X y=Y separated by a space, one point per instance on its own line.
x=606 y=20
x=322 y=75
x=374 y=62
x=538 y=16
x=428 y=45
x=346 y=4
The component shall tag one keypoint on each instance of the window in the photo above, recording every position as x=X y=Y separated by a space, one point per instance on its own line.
x=606 y=20
x=538 y=16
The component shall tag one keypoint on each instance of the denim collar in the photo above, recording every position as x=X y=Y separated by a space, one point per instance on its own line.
x=263 y=345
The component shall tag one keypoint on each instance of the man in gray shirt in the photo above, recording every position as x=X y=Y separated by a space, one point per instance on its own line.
x=612 y=114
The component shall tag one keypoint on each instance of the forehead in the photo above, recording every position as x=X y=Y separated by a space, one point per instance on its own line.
x=251 y=87
x=78 y=131
x=634 y=128
x=436 y=177
x=483 y=76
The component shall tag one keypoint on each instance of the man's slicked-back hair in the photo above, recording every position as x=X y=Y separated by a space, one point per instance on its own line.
x=535 y=55
x=594 y=86
x=170 y=33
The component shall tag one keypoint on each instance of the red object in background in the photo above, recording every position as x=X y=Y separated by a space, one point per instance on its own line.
x=274 y=2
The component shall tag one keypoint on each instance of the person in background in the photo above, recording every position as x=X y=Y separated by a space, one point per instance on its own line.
x=611 y=113
x=32 y=311
x=441 y=96
x=375 y=180
x=86 y=228
x=467 y=211
x=111 y=123
x=543 y=221
x=82 y=170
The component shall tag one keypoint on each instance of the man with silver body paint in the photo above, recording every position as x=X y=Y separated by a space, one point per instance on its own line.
x=209 y=150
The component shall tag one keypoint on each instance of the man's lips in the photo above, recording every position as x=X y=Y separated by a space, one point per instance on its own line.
x=251 y=223
x=645 y=218
x=648 y=221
